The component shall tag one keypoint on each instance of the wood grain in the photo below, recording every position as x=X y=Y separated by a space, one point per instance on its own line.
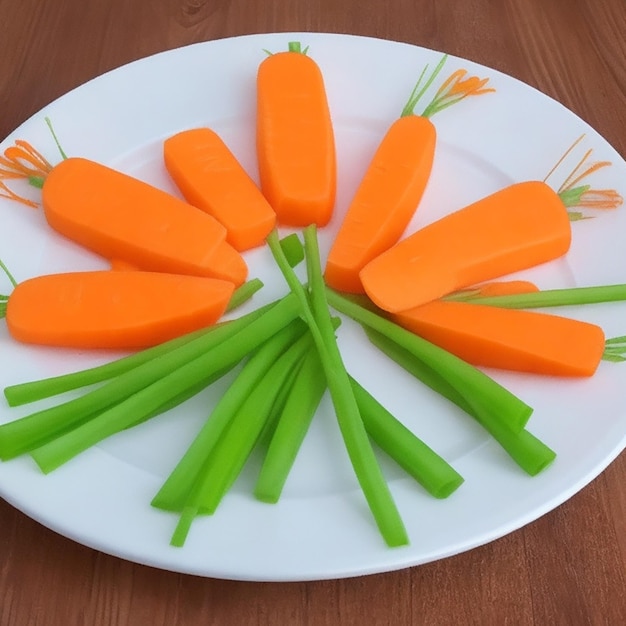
x=568 y=567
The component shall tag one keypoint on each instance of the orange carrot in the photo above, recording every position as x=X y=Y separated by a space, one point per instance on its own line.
x=121 y=217
x=226 y=264
x=211 y=178
x=512 y=339
x=104 y=309
x=394 y=182
x=515 y=228
x=295 y=139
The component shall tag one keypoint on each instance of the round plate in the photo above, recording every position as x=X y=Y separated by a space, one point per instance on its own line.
x=321 y=528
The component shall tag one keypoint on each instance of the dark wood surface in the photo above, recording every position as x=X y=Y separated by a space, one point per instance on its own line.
x=568 y=567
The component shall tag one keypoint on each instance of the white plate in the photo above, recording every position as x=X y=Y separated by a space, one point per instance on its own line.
x=321 y=528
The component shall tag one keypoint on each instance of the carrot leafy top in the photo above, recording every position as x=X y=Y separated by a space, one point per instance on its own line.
x=3 y=297
x=576 y=194
x=455 y=88
x=22 y=161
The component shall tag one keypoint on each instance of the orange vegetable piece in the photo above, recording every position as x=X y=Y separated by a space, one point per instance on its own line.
x=295 y=139
x=394 y=182
x=104 y=309
x=384 y=202
x=118 y=216
x=512 y=339
x=515 y=228
x=211 y=178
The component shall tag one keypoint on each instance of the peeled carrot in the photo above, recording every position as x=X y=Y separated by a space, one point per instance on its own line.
x=104 y=309
x=211 y=178
x=295 y=139
x=512 y=339
x=123 y=218
x=520 y=226
x=394 y=182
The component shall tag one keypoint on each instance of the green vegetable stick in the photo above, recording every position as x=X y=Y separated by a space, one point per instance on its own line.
x=174 y=493
x=243 y=293
x=531 y=454
x=554 y=297
x=362 y=457
x=34 y=430
x=427 y=467
x=478 y=389
x=233 y=448
x=179 y=376
x=293 y=249
x=24 y=393
x=301 y=404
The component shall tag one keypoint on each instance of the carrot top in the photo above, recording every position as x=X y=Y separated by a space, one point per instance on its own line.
x=4 y=298
x=576 y=194
x=455 y=88
x=22 y=161
x=292 y=46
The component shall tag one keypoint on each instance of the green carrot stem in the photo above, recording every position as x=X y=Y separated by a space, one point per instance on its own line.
x=293 y=424
x=56 y=139
x=531 y=454
x=555 y=297
x=10 y=276
x=296 y=46
x=27 y=433
x=483 y=393
x=362 y=457
x=615 y=349
x=420 y=461
x=32 y=391
x=174 y=493
x=417 y=93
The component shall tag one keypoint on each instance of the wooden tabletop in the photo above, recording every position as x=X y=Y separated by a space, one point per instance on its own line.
x=569 y=566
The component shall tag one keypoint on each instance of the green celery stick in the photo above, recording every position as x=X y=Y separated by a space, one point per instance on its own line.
x=531 y=454
x=293 y=423
x=428 y=468
x=34 y=430
x=358 y=446
x=293 y=249
x=233 y=448
x=478 y=389
x=555 y=297
x=243 y=293
x=174 y=493
x=130 y=409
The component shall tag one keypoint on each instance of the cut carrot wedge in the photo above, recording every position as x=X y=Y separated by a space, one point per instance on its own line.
x=512 y=339
x=295 y=139
x=226 y=264
x=385 y=200
x=518 y=227
x=118 y=216
x=394 y=181
x=211 y=178
x=104 y=309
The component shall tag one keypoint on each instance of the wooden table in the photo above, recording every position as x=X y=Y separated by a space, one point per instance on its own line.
x=568 y=567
